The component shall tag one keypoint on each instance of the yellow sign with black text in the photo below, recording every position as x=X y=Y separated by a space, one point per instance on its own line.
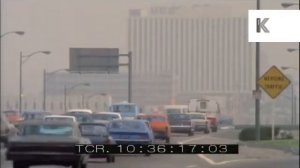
x=273 y=82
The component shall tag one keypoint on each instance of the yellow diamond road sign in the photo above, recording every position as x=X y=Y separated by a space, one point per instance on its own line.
x=274 y=82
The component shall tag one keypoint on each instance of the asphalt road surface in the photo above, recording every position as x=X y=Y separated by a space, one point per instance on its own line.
x=247 y=158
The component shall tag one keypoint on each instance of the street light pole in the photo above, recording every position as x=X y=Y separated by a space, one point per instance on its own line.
x=257 y=76
x=21 y=74
x=2 y=35
x=21 y=84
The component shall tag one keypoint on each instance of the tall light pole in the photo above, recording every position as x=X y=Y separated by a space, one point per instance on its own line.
x=257 y=90
x=286 y=5
x=2 y=35
x=45 y=83
x=66 y=90
x=23 y=60
x=294 y=98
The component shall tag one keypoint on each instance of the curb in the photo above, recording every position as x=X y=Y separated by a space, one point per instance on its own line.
x=291 y=150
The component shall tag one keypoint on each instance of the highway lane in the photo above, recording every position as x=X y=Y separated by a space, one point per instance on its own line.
x=247 y=158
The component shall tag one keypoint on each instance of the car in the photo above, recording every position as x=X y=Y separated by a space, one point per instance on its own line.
x=159 y=124
x=42 y=142
x=131 y=132
x=81 y=117
x=200 y=122
x=79 y=111
x=7 y=129
x=106 y=116
x=98 y=134
x=34 y=115
x=60 y=118
x=181 y=123
x=12 y=116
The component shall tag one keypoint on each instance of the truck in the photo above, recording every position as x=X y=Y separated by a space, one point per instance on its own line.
x=125 y=109
x=209 y=107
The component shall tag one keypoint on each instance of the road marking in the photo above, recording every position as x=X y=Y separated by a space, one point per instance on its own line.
x=210 y=161
x=191 y=166
x=193 y=139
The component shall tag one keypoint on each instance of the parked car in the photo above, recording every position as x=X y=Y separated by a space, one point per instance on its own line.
x=98 y=134
x=181 y=123
x=200 y=122
x=46 y=143
x=159 y=124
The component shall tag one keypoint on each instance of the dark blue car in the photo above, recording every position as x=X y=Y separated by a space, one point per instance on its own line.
x=131 y=132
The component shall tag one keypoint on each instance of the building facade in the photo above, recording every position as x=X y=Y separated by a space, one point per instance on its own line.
x=208 y=54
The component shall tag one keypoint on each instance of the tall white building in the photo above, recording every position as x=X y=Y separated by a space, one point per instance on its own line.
x=208 y=52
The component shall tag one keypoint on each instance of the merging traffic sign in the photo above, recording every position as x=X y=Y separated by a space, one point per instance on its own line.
x=273 y=82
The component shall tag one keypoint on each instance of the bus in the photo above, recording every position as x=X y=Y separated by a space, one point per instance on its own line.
x=125 y=109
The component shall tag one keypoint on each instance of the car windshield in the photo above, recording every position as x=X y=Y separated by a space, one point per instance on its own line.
x=127 y=126
x=197 y=116
x=93 y=130
x=107 y=117
x=179 y=117
x=53 y=130
x=157 y=119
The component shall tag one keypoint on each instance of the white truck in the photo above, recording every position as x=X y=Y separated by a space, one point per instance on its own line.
x=210 y=107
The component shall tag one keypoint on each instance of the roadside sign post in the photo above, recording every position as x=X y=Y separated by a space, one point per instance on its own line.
x=273 y=119
x=273 y=82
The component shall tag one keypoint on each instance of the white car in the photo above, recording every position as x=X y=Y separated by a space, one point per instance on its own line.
x=106 y=116
x=200 y=122
x=60 y=118
x=79 y=111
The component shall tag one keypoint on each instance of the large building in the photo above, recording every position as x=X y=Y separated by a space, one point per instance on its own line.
x=208 y=53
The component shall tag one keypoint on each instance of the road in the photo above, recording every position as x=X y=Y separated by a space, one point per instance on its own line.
x=248 y=157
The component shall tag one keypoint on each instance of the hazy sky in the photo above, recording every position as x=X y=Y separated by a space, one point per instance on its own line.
x=57 y=25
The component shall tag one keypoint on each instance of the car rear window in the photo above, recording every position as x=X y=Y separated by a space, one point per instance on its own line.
x=157 y=119
x=197 y=116
x=92 y=130
x=58 y=119
x=127 y=126
x=108 y=117
x=53 y=130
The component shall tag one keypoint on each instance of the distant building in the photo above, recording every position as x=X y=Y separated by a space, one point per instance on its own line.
x=207 y=51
